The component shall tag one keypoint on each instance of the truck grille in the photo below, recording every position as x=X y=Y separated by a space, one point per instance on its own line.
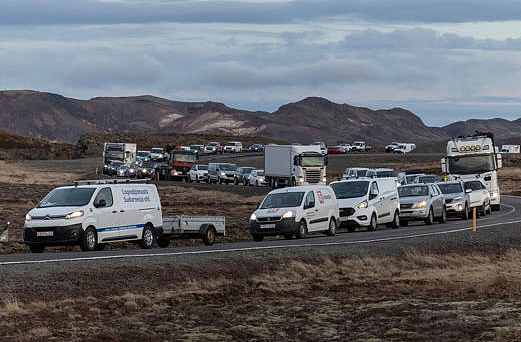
x=268 y=219
x=405 y=206
x=313 y=176
x=346 y=212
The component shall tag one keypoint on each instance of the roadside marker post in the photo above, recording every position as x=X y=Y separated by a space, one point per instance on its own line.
x=97 y=171
x=474 y=219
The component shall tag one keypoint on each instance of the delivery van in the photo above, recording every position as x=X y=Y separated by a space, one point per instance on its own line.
x=296 y=211
x=367 y=202
x=92 y=215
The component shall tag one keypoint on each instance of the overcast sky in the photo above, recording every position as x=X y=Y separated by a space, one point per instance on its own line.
x=445 y=60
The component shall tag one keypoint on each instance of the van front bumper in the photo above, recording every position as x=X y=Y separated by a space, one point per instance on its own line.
x=61 y=235
x=284 y=226
x=349 y=217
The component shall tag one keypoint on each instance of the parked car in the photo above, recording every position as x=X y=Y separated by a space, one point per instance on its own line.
x=257 y=148
x=256 y=178
x=134 y=170
x=123 y=171
x=221 y=173
x=426 y=179
x=457 y=199
x=421 y=202
x=322 y=146
x=391 y=147
x=198 y=173
x=335 y=150
x=296 y=211
x=367 y=203
x=242 y=175
x=213 y=148
x=233 y=146
x=479 y=196
x=197 y=149
x=358 y=172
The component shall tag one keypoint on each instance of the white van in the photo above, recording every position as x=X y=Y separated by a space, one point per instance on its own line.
x=296 y=211
x=93 y=215
x=367 y=202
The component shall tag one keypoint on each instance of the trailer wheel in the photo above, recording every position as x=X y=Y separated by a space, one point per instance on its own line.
x=208 y=234
x=163 y=242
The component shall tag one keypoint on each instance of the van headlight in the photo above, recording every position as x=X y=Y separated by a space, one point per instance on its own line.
x=253 y=217
x=28 y=217
x=288 y=214
x=493 y=195
x=223 y=174
x=421 y=204
x=261 y=179
x=361 y=205
x=74 y=214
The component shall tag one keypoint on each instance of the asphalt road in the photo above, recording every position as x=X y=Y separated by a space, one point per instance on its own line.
x=508 y=217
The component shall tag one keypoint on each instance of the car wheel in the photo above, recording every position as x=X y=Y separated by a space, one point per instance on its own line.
x=163 y=242
x=443 y=217
x=88 y=239
x=257 y=237
x=302 y=230
x=372 y=224
x=332 y=227
x=396 y=221
x=489 y=210
x=147 y=238
x=430 y=217
x=465 y=215
x=484 y=210
x=37 y=248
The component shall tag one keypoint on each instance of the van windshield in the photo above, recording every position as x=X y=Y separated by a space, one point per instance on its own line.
x=70 y=197
x=282 y=200
x=350 y=189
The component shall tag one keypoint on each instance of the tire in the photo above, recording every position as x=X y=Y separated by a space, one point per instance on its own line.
x=495 y=207
x=163 y=242
x=396 y=221
x=147 y=238
x=443 y=217
x=489 y=211
x=430 y=217
x=208 y=234
x=257 y=183
x=236 y=181
x=190 y=179
x=257 y=237
x=293 y=182
x=372 y=224
x=88 y=239
x=404 y=223
x=37 y=248
x=302 y=230
x=484 y=211
x=466 y=214
x=288 y=236
x=332 y=228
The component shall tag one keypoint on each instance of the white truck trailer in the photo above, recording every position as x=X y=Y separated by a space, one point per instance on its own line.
x=294 y=165
x=123 y=152
x=510 y=149
x=474 y=157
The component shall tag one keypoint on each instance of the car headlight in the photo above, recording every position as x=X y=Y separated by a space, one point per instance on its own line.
x=361 y=205
x=74 y=214
x=324 y=179
x=223 y=174
x=261 y=179
x=28 y=217
x=253 y=217
x=493 y=194
x=288 y=214
x=421 y=204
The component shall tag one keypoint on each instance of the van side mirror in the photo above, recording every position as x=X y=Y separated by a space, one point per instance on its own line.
x=373 y=194
x=443 y=166
x=100 y=204
x=295 y=161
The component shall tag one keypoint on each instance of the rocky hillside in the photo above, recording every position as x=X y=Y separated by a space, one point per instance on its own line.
x=57 y=118
x=15 y=147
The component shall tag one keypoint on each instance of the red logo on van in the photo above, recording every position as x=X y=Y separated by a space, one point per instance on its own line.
x=320 y=197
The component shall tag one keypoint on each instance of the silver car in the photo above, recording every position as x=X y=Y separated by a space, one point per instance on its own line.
x=421 y=202
x=457 y=200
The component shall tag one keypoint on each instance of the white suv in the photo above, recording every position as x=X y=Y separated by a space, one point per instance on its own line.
x=479 y=196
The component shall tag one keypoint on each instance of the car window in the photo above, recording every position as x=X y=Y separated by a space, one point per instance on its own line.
x=105 y=194
x=374 y=187
x=310 y=198
x=474 y=185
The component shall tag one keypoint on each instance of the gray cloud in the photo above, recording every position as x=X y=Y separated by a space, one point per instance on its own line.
x=110 y=12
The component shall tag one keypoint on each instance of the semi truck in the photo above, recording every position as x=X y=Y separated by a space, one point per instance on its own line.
x=471 y=157
x=123 y=152
x=290 y=165
x=178 y=165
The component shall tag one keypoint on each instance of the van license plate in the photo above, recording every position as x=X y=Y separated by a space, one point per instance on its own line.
x=44 y=233
x=267 y=226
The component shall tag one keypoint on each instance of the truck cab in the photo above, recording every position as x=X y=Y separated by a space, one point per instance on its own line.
x=181 y=161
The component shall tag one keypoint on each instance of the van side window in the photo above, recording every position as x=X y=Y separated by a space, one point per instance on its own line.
x=104 y=194
x=374 y=187
x=310 y=198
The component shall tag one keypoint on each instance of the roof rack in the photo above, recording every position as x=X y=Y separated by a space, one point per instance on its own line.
x=110 y=181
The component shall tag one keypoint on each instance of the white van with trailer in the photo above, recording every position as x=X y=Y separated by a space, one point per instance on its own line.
x=294 y=165
x=96 y=212
x=367 y=202
x=296 y=211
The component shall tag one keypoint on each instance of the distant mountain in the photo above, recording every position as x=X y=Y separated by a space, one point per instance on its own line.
x=57 y=118
x=502 y=129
